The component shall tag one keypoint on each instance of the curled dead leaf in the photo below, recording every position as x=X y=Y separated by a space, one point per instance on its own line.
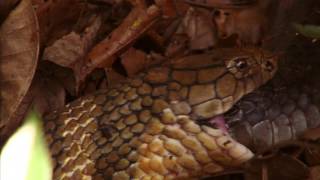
x=19 y=49
x=113 y=77
x=198 y=26
x=249 y=24
x=73 y=46
x=104 y=53
x=178 y=46
x=134 y=61
x=57 y=17
x=5 y=7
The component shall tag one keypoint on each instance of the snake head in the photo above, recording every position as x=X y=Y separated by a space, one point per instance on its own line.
x=232 y=74
x=213 y=82
x=260 y=65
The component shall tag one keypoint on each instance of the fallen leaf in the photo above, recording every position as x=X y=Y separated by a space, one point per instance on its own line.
x=249 y=24
x=66 y=50
x=134 y=61
x=178 y=46
x=198 y=26
x=5 y=7
x=57 y=18
x=72 y=48
x=113 y=77
x=104 y=53
x=314 y=173
x=19 y=48
x=168 y=8
x=6 y=129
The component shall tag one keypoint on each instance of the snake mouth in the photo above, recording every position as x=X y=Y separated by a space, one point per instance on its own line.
x=217 y=122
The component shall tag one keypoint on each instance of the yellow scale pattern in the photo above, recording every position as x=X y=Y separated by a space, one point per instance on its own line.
x=146 y=128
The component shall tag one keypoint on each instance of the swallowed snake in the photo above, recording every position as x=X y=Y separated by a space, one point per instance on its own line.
x=149 y=127
x=274 y=114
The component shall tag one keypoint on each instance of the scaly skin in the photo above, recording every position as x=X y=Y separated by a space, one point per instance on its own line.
x=147 y=127
x=273 y=115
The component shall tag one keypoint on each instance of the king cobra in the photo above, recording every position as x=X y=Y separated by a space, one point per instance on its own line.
x=148 y=127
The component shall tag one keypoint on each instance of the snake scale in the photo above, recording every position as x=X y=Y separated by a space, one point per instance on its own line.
x=273 y=114
x=147 y=127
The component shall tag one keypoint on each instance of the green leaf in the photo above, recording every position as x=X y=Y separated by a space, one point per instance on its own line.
x=311 y=31
x=25 y=156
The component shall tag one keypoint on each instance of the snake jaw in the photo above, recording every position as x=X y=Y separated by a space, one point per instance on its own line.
x=219 y=123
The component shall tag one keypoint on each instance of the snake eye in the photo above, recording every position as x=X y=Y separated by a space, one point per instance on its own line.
x=269 y=66
x=241 y=63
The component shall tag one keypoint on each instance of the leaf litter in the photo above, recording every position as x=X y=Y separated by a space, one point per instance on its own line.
x=87 y=45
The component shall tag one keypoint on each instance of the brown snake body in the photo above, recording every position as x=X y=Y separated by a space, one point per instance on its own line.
x=146 y=128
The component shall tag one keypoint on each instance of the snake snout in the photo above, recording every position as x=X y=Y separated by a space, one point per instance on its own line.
x=269 y=67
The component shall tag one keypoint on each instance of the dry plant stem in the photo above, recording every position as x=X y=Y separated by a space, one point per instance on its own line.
x=133 y=26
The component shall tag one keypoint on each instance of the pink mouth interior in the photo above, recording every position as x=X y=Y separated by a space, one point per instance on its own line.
x=219 y=122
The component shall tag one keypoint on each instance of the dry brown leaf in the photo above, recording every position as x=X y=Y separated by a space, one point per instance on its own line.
x=266 y=22
x=134 y=61
x=57 y=17
x=5 y=7
x=19 y=48
x=113 y=77
x=168 y=8
x=249 y=24
x=314 y=173
x=198 y=26
x=133 y=26
x=178 y=46
x=72 y=47
x=66 y=50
